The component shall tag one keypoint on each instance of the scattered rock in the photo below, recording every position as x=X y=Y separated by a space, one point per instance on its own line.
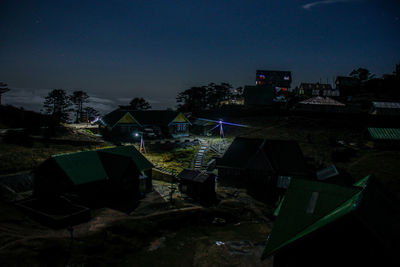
x=156 y=244
x=219 y=221
x=219 y=243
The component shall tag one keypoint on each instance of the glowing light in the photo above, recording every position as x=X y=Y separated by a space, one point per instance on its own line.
x=136 y=134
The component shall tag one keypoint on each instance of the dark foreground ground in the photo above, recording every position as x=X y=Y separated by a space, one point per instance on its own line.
x=157 y=233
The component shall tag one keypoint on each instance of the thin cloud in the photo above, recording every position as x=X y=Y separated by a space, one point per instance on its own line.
x=324 y=2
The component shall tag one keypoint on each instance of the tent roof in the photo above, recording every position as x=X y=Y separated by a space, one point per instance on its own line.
x=96 y=165
x=329 y=203
x=308 y=206
x=82 y=167
x=281 y=156
x=130 y=151
x=239 y=152
x=385 y=133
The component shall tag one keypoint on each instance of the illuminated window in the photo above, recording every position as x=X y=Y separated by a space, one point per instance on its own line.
x=286 y=78
x=262 y=77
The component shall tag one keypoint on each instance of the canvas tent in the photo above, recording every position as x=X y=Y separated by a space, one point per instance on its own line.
x=322 y=224
x=262 y=165
x=102 y=173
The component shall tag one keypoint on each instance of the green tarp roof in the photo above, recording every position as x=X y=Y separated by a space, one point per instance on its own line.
x=129 y=151
x=360 y=183
x=365 y=199
x=308 y=206
x=384 y=133
x=82 y=167
x=96 y=165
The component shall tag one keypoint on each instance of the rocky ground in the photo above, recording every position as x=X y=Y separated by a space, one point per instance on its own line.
x=157 y=233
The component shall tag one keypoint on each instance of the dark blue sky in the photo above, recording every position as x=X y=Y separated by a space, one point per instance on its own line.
x=122 y=49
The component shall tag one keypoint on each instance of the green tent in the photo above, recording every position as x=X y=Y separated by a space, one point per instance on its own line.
x=311 y=209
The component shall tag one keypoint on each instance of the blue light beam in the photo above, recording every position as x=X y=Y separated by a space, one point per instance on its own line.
x=224 y=122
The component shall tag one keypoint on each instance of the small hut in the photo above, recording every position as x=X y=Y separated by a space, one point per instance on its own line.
x=198 y=185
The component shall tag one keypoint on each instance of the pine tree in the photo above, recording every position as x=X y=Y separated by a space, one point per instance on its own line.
x=58 y=104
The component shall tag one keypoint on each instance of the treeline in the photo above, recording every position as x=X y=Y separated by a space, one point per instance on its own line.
x=60 y=105
x=208 y=96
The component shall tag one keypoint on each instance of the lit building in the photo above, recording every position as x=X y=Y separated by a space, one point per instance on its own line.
x=282 y=79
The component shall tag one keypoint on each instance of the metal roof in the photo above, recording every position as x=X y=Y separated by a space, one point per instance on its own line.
x=327 y=172
x=386 y=104
x=318 y=100
x=385 y=133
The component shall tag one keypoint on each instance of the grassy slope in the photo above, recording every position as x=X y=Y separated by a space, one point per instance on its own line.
x=17 y=158
x=174 y=160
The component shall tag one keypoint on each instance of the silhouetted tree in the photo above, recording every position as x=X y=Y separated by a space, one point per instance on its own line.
x=90 y=113
x=192 y=99
x=58 y=104
x=203 y=97
x=139 y=104
x=217 y=93
x=78 y=98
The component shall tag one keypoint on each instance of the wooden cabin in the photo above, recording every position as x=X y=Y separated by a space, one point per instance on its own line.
x=95 y=175
x=126 y=125
x=265 y=167
x=321 y=224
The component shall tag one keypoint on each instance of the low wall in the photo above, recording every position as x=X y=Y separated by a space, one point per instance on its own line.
x=163 y=176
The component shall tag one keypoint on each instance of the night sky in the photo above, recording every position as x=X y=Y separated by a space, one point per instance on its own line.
x=117 y=50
